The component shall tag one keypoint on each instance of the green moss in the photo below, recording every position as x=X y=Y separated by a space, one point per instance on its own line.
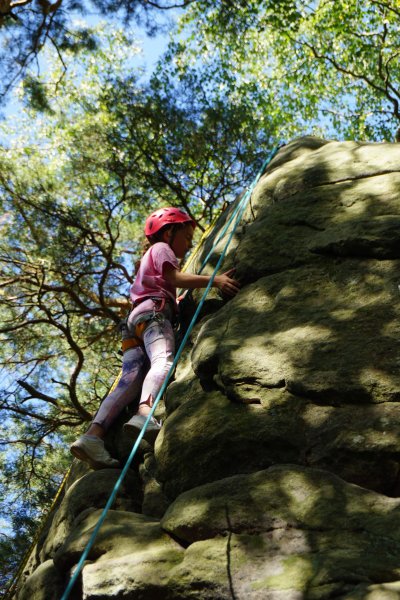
x=297 y=572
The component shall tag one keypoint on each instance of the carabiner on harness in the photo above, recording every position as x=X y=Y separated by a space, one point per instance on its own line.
x=130 y=340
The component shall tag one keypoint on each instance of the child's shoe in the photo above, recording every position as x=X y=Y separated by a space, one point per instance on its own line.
x=134 y=426
x=91 y=449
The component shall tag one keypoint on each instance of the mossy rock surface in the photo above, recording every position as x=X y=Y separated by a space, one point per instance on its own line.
x=46 y=583
x=286 y=396
x=87 y=494
x=284 y=496
x=121 y=533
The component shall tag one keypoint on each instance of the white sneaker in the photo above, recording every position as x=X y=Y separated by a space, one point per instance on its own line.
x=92 y=451
x=134 y=426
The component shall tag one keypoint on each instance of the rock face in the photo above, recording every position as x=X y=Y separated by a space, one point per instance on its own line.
x=276 y=473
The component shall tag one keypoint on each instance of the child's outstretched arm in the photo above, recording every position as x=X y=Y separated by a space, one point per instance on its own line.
x=223 y=282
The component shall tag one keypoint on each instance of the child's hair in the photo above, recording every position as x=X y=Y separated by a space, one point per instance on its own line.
x=157 y=237
x=145 y=245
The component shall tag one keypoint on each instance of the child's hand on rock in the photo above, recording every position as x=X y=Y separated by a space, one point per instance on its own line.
x=226 y=284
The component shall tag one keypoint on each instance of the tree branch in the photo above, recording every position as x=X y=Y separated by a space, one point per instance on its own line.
x=36 y=394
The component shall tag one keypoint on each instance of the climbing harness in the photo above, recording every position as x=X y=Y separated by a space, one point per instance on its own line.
x=235 y=219
x=137 y=340
x=130 y=340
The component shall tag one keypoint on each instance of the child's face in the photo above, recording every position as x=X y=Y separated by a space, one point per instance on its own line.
x=182 y=241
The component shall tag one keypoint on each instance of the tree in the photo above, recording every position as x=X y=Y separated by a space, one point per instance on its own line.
x=28 y=27
x=62 y=275
x=23 y=508
x=325 y=62
x=331 y=66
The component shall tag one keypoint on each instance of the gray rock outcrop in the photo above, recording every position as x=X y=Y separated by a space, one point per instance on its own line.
x=276 y=473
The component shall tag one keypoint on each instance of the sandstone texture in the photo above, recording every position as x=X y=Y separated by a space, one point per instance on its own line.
x=276 y=474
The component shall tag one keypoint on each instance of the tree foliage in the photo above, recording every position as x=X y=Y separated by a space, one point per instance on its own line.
x=328 y=65
x=27 y=27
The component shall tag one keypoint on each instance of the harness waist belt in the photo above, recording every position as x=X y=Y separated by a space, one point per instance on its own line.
x=130 y=343
x=137 y=339
x=161 y=300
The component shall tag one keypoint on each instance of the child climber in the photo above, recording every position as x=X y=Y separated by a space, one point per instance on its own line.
x=153 y=293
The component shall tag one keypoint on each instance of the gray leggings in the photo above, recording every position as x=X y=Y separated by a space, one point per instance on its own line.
x=159 y=345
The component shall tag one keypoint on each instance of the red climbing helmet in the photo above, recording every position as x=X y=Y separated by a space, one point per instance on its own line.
x=166 y=216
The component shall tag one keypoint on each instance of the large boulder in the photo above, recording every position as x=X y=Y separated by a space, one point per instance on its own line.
x=276 y=475
x=285 y=533
x=282 y=497
x=312 y=340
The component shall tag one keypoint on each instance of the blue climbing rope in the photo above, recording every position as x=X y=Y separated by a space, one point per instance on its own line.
x=236 y=216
